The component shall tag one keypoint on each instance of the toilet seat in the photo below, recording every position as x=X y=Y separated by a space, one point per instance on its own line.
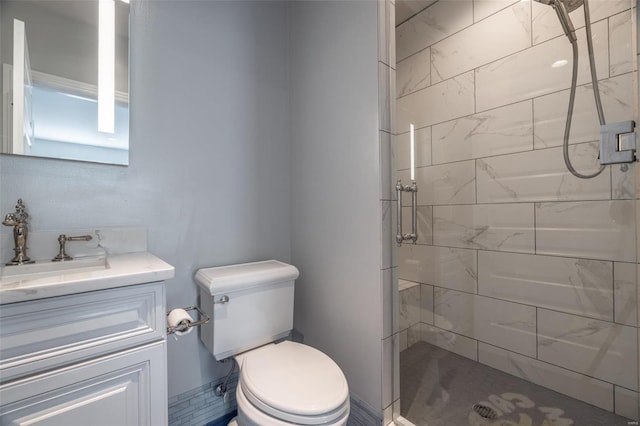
x=294 y=383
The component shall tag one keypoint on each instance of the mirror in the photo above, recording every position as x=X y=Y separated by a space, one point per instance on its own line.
x=65 y=79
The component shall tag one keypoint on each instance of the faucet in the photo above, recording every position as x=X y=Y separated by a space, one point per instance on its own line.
x=20 y=231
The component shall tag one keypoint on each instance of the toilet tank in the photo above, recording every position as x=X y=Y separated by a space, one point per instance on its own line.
x=259 y=309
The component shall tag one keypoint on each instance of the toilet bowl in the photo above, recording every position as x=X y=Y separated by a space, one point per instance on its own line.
x=286 y=383
x=290 y=384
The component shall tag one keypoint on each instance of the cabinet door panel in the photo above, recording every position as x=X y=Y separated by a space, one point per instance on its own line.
x=124 y=389
x=44 y=334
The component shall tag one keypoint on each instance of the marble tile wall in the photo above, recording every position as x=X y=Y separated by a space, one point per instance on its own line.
x=519 y=265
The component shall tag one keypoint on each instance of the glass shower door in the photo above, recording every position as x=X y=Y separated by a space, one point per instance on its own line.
x=518 y=301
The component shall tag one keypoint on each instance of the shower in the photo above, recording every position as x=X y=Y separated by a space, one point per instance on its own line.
x=562 y=8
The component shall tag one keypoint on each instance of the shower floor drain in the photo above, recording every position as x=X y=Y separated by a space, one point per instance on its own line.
x=485 y=412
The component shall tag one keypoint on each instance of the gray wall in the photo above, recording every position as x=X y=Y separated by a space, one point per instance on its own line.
x=209 y=171
x=336 y=219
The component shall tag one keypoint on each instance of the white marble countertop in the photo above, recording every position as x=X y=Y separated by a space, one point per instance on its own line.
x=89 y=273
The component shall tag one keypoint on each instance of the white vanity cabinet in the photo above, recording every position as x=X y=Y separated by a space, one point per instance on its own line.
x=94 y=358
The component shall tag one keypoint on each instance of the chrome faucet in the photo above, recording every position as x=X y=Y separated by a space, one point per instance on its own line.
x=20 y=231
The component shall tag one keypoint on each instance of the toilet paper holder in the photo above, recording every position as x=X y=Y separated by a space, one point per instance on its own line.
x=183 y=326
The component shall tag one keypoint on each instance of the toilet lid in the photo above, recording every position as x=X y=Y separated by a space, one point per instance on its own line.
x=294 y=380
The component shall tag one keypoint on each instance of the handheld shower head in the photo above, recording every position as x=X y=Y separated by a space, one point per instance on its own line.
x=563 y=7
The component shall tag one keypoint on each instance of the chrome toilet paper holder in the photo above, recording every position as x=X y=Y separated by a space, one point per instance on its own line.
x=184 y=325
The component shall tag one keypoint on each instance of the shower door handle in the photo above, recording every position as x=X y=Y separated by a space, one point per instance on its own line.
x=413 y=188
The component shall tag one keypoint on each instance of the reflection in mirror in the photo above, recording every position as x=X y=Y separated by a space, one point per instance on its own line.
x=61 y=59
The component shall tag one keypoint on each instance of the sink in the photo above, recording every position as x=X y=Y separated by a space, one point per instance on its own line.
x=47 y=268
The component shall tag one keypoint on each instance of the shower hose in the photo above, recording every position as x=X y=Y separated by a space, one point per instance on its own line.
x=572 y=95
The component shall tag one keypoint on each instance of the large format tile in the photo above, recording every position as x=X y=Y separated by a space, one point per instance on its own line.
x=599 y=349
x=584 y=388
x=426 y=303
x=578 y=286
x=455 y=311
x=590 y=229
x=422 y=149
x=452 y=183
x=529 y=73
x=480 y=44
x=414 y=73
x=406 y=9
x=625 y=293
x=505 y=227
x=620 y=44
x=384 y=97
x=546 y=24
x=452 y=342
x=409 y=307
x=485 y=8
x=550 y=111
x=542 y=176
x=424 y=225
x=431 y=25
x=441 y=266
x=452 y=98
x=498 y=131
x=626 y=402
x=508 y=325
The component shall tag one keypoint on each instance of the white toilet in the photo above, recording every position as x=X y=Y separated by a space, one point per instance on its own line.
x=287 y=383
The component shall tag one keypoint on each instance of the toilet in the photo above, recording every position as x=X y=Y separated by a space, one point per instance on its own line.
x=280 y=382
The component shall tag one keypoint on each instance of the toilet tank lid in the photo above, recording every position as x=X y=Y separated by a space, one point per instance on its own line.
x=228 y=278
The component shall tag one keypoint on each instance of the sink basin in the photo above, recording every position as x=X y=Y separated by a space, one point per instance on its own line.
x=47 y=268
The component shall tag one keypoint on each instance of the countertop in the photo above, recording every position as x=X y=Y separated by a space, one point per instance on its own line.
x=93 y=273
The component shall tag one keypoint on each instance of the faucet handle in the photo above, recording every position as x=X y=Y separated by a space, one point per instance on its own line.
x=62 y=240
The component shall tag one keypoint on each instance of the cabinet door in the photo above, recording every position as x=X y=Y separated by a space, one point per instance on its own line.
x=123 y=389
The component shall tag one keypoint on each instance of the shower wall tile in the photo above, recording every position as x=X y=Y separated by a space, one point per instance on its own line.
x=384 y=30
x=422 y=149
x=389 y=300
x=452 y=342
x=440 y=266
x=426 y=304
x=550 y=111
x=626 y=402
x=547 y=26
x=414 y=73
x=392 y=102
x=384 y=106
x=542 y=176
x=528 y=73
x=498 y=131
x=620 y=50
x=504 y=227
x=431 y=25
x=409 y=307
x=425 y=223
x=387 y=368
x=414 y=334
x=589 y=346
x=581 y=387
x=385 y=165
x=452 y=183
x=578 y=286
x=485 y=8
x=402 y=336
x=440 y=102
x=454 y=311
x=508 y=325
x=406 y=9
x=590 y=229
x=480 y=44
x=625 y=293
x=388 y=234
x=623 y=183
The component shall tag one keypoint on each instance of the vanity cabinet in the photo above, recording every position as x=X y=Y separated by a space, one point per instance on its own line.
x=96 y=358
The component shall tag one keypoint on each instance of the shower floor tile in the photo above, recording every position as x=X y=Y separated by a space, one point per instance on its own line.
x=439 y=388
